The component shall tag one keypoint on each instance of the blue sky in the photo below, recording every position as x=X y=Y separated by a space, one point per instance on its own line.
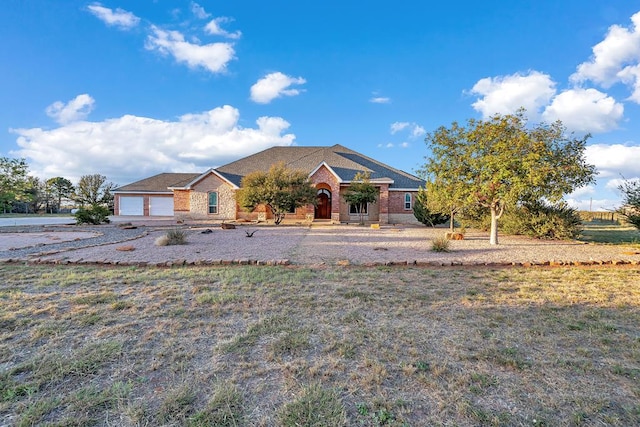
x=130 y=89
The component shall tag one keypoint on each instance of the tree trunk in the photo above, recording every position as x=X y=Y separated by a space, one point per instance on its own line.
x=278 y=217
x=497 y=209
x=493 y=239
x=452 y=221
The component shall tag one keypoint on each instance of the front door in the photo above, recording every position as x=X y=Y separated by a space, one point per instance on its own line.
x=323 y=208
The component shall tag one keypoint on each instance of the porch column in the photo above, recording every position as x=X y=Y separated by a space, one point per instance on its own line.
x=383 y=204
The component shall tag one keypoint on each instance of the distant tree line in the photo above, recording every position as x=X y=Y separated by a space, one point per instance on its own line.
x=23 y=193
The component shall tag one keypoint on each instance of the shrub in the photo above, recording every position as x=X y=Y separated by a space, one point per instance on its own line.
x=543 y=221
x=440 y=244
x=175 y=236
x=423 y=214
x=95 y=214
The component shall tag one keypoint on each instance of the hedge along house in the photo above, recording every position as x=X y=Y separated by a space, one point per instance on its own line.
x=211 y=195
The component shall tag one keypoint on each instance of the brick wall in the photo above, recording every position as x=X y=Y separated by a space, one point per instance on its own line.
x=181 y=203
x=396 y=202
x=397 y=213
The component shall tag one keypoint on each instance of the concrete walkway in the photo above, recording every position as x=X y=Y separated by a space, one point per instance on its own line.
x=36 y=220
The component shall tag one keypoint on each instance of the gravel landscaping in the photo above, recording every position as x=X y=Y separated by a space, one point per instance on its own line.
x=301 y=245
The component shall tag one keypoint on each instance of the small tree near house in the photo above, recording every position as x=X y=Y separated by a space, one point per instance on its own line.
x=281 y=189
x=424 y=213
x=360 y=193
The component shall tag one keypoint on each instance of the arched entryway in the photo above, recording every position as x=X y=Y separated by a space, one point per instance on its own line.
x=323 y=207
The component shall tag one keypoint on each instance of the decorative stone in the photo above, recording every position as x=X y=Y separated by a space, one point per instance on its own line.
x=454 y=236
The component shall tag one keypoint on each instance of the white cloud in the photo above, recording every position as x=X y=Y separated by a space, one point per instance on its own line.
x=198 y=11
x=587 y=190
x=129 y=148
x=615 y=160
x=593 y=204
x=415 y=130
x=405 y=145
x=213 y=57
x=274 y=85
x=118 y=18
x=620 y=48
x=380 y=100
x=631 y=76
x=506 y=94
x=214 y=28
x=585 y=110
x=76 y=109
x=399 y=126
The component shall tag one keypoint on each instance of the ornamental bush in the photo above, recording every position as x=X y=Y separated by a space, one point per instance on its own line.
x=543 y=221
x=423 y=214
x=94 y=215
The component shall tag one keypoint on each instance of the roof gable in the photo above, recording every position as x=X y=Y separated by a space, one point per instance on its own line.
x=202 y=176
x=158 y=183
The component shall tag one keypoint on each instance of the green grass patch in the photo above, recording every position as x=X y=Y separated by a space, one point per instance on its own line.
x=610 y=233
x=314 y=407
x=224 y=409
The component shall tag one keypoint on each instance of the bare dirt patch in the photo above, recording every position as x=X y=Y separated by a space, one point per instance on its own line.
x=10 y=241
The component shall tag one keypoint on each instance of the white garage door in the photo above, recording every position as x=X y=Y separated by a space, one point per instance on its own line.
x=161 y=206
x=131 y=206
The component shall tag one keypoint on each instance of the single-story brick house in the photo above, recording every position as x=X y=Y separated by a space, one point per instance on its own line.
x=211 y=195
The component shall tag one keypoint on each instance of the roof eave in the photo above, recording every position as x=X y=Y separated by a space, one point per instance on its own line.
x=340 y=180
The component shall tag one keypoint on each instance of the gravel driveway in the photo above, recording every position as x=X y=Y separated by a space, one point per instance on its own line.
x=302 y=245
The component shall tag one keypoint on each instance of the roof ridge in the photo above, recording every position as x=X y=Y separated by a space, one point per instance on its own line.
x=319 y=148
x=384 y=165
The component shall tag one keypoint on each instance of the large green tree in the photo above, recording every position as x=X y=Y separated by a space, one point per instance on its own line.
x=13 y=182
x=360 y=193
x=502 y=161
x=281 y=189
x=59 y=188
x=94 y=190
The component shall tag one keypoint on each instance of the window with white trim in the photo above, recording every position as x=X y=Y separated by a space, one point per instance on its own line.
x=213 y=202
x=407 y=201
x=353 y=209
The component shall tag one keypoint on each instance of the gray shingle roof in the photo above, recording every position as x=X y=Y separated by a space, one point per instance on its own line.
x=344 y=162
x=159 y=183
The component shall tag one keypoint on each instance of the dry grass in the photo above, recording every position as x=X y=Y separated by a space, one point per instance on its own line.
x=269 y=346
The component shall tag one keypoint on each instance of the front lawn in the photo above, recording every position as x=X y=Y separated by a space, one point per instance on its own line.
x=269 y=346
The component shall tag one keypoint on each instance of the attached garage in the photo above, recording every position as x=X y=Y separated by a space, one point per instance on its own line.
x=131 y=205
x=161 y=206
